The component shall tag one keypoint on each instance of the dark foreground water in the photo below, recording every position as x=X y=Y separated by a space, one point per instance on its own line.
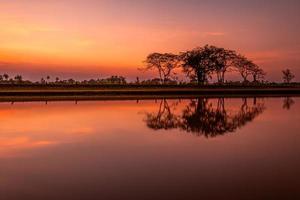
x=152 y=149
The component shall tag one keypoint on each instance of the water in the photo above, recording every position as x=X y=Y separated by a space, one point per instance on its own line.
x=242 y=148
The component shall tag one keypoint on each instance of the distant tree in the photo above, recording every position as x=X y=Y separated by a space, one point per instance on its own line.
x=6 y=77
x=48 y=78
x=71 y=81
x=43 y=81
x=18 y=78
x=163 y=63
x=137 y=81
x=113 y=80
x=1 y=78
x=288 y=76
x=56 y=79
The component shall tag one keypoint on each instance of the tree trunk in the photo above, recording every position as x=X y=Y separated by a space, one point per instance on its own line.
x=201 y=78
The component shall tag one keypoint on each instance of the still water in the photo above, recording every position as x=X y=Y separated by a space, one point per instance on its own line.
x=240 y=148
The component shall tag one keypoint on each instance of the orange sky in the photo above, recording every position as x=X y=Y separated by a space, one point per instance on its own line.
x=92 y=38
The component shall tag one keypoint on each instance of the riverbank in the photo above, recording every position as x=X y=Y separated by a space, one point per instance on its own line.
x=56 y=93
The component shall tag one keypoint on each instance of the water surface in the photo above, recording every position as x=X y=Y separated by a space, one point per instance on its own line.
x=241 y=148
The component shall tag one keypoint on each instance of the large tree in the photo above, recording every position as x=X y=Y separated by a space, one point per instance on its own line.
x=199 y=63
x=163 y=63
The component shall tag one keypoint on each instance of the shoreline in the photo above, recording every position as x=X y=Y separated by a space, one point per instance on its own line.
x=26 y=94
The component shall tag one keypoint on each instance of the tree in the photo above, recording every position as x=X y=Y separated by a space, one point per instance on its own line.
x=71 y=81
x=18 y=78
x=244 y=66
x=199 y=63
x=43 y=81
x=223 y=61
x=258 y=74
x=163 y=63
x=56 y=79
x=48 y=78
x=137 y=80
x=288 y=76
x=6 y=77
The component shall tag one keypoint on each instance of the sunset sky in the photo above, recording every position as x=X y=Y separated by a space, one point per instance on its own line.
x=92 y=38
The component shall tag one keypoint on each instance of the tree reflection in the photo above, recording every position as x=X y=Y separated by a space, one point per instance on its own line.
x=164 y=118
x=288 y=102
x=202 y=117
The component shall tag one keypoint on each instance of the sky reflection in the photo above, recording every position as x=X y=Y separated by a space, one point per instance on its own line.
x=105 y=150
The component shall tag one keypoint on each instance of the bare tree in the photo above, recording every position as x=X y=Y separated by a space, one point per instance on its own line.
x=288 y=76
x=244 y=66
x=224 y=60
x=258 y=74
x=163 y=63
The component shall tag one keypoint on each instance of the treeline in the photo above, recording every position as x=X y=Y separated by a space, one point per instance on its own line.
x=198 y=65
x=18 y=79
x=202 y=63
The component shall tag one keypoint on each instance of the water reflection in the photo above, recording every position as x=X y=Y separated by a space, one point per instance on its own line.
x=288 y=102
x=104 y=149
x=206 y=117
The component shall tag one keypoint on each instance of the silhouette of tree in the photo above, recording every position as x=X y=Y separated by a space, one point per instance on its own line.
x=288 y=76
x=258 y=74
x=18 y=78
x=224 y=60
x=245 y=67
x=137 y=80
x=199 y=63
x=71 y=81
x=43 y=81
x=115 y=80
x=163 y=63
x=6 y=77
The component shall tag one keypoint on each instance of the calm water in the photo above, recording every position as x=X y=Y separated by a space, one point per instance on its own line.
x=151 y=149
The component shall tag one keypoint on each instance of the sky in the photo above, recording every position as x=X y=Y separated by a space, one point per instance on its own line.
x=98 y=38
